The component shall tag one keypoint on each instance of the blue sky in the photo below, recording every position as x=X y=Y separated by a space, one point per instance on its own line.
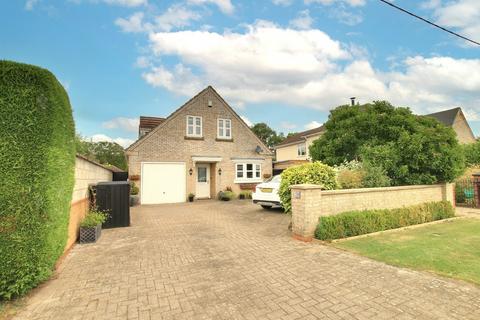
x=283 y=62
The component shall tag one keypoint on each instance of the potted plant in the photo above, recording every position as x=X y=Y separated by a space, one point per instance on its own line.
x=134 y=199
x=226 y=195
x=191 y=196
x=91 y=226
x=245 y=194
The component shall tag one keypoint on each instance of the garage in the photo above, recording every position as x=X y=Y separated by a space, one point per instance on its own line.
x=163 y=182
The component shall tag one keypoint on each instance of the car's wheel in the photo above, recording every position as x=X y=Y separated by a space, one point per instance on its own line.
x=266 y=207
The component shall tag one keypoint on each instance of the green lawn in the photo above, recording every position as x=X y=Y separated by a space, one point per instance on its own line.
x=451 y=248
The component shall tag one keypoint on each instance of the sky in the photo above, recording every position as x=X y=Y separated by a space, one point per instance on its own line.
x=282 y=62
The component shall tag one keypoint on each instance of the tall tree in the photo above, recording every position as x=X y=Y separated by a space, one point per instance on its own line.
x=108 y=153
x=267 y=134
x=411 y=149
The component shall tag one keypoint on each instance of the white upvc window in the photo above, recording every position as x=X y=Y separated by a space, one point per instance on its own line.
x=248 y=172
x=224 y=129
x=194 y=126
x=301 y=150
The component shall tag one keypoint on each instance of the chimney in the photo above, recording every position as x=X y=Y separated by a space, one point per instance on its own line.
x=353 y=100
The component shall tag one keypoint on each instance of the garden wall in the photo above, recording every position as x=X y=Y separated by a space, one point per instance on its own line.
x=87 y=172
x=309 y=202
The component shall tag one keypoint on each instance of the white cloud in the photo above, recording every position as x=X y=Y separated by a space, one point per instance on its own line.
x=30 y=4
x=303 y=21
x=126 y=124
x=124 y=142
x=225 y=6
x=287 y=125
x=269 y=64
x=345 y=16
x=176 y=16
x=353 y=3
x=134 y=23
x=143 y=62
x=284 y=3
x=247 y=121
x=463 y=15
x=126 y=3
x=312 y=125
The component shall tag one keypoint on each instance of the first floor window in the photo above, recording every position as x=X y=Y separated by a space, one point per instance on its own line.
x=224 y=129
x=301 y=149
x=248 y=171
x=194 y=126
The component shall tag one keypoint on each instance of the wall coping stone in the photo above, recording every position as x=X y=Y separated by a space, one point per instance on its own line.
x=307 y=186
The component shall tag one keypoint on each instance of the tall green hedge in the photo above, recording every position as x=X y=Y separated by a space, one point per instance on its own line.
x=37 y=159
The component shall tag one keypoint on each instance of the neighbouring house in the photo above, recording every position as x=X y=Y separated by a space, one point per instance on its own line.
x=147 y=124
x=456 y=119
x=294 y=150
x=203 y=148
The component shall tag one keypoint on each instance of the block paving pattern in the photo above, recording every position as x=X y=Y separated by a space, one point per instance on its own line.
x=233 y=260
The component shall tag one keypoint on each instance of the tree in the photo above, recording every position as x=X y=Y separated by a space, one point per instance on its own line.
x=267 y=134
x=107 y=153
x=410 y=149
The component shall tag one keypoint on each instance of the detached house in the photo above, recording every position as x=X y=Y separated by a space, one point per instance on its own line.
x=203 y=147
x=456 y=119
x=294 y=150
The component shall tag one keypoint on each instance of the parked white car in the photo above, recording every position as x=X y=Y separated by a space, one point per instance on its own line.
x=266 y=193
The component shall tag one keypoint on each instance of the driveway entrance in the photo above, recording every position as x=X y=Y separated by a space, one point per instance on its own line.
x=233 y=260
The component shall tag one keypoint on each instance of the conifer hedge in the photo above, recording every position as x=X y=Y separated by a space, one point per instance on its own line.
x=37 y=159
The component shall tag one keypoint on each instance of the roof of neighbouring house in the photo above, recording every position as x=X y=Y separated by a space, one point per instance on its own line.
x=447 y=117
x=299 y=137
x=150 y=122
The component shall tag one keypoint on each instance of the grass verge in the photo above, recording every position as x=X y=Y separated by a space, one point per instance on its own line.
x=451 y=249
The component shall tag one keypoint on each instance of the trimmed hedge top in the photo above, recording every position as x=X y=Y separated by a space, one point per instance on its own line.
x=354 y=223
x=37 y=159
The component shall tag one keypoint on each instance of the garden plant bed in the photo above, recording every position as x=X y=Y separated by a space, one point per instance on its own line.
x=451 y=248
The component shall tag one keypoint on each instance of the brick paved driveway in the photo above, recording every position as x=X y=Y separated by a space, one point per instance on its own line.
x=217 y=260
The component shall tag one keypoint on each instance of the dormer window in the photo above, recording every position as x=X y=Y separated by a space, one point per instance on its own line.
x=224 y=130
x=194 y=126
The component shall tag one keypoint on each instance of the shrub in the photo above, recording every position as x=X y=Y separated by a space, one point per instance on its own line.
x=133 y=189
x=350 y=179
x=472 y=153
x=374 y=176
x=311 y=173
x=354 y=223
x=93 y=218
x=226 y=195
x=245 y=194
x=37 y=159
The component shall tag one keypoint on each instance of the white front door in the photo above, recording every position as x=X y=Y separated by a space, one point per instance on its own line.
x=203 y=181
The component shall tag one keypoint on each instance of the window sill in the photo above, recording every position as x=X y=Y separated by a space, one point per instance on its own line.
x=194 y=138
x=224 y=139
x=257 y=180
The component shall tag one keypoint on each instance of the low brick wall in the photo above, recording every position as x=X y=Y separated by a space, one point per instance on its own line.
x=87 y=172
x=309 y=202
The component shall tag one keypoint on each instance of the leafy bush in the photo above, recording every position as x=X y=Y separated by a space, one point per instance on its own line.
x=94 y=218
x=409 y=148
x=350 y=179
x=37 y=159
x=309 y=173
x=226 y=195
x=374 y=176
x=245 y=194
x=354 y=223
x=133 y=189
x=471 y=152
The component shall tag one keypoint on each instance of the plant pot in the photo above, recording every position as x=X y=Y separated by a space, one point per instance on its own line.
x=190 y=199
x=90 y=234
x=134 y=200
x=241 y=197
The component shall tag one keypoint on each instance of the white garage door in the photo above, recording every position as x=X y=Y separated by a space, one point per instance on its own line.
x=163 y=182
